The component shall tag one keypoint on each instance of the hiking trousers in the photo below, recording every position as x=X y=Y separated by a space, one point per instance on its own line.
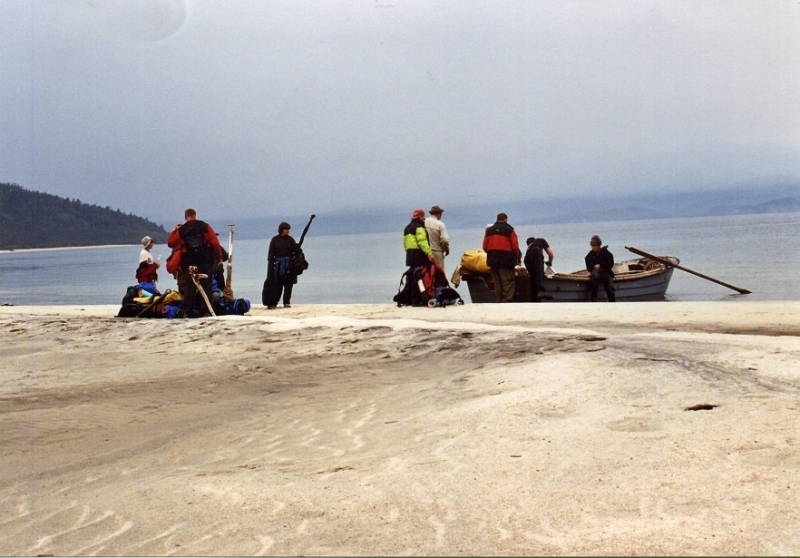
x=504 y=282
x=283 y=285
x=438 y=258
x=599 y=277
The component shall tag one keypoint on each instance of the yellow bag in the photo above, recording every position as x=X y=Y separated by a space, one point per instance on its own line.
x=475 y=261
x=172 y=297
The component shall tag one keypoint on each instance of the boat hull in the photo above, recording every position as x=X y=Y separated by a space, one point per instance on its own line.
x=636 y=280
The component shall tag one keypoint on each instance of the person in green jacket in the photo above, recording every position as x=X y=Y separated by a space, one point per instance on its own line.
x=415 y=241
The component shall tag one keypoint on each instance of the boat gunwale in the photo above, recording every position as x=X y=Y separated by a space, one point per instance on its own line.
x=582 y=275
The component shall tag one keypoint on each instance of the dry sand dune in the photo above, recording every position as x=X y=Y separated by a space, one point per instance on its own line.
x=370 y=429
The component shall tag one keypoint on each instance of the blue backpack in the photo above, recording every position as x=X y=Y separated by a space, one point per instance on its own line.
x=237 y=306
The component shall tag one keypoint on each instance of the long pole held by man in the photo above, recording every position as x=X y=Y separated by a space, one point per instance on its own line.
x=227 y=292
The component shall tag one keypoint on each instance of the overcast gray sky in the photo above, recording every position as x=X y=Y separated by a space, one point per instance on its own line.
x=300 y=106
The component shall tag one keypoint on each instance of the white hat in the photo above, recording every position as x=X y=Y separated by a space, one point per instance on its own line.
x=146 y=240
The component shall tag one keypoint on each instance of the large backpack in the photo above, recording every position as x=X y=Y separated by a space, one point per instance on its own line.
x=193 y=235
x=135 y=306
x=237 y=307
x=445 y=296
x=426 y=285
x=174 y=262
x=408 y=292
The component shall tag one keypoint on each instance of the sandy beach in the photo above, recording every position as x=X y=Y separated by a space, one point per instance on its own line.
x=552 y=429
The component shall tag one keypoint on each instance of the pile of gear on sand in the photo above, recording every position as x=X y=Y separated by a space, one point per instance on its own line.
x=197 y=264
x=143 y=300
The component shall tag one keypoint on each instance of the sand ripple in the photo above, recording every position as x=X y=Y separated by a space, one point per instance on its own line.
x=337 y=434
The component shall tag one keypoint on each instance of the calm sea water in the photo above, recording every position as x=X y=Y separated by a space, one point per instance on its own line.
x=760 y=253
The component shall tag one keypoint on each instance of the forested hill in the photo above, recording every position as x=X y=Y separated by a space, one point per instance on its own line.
x=38 y=220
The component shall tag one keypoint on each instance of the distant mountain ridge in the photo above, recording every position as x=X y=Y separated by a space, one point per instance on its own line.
x=31 y=219
x=531 y=211
x=39 y=220
x=781 y=205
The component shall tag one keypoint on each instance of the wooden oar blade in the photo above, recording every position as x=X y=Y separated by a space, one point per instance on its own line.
x=686 y=269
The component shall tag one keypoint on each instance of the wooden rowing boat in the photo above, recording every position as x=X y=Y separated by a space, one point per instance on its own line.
x=639 y=279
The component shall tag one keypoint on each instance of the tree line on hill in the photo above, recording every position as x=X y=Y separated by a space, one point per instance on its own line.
x=31 y=219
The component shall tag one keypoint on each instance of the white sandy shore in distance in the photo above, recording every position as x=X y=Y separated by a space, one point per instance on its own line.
x=370 y=429
x=64 y=248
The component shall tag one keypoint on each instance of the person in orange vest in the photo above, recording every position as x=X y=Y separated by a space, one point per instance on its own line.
x=501 y=245
x=199 y=247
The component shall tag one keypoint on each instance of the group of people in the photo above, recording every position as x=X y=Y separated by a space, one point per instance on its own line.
x=503 y=254
x=426 y=240
x=197 y=261
x=197 y=258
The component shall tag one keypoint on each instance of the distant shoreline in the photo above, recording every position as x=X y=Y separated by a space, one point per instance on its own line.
x=16 y=250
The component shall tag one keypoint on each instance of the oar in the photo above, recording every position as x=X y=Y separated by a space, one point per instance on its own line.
x=669 y=263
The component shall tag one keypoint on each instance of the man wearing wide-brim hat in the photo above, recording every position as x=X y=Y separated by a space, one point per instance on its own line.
x=437 y=236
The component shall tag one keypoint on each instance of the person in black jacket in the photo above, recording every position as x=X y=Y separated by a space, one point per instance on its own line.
x=280 y=273
x=599 y=264
x=534 y=263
